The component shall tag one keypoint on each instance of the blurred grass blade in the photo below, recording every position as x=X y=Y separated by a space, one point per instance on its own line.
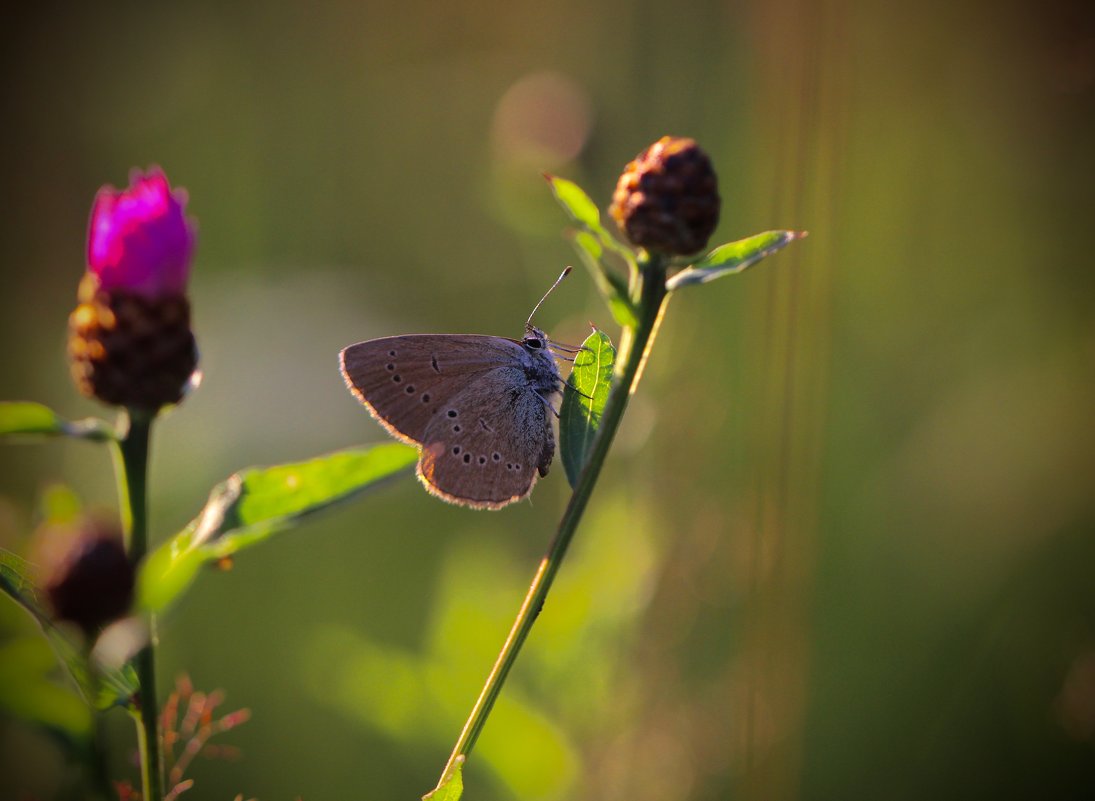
x=734 y=257
x=584 y=401
x=115 y=686
x=253 y=504
x=612 y=286
x=24 y=418
x=452 y=788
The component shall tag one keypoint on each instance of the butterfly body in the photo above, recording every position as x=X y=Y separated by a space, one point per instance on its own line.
x=478 y=407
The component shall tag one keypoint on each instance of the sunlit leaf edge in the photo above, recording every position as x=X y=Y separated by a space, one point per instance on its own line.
x=452 y=788
x=734 y=257
x=233 y=518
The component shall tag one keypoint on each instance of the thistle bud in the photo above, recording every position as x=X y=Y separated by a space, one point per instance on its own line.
x=130 y=342
x=667 y=199
x=87 y=576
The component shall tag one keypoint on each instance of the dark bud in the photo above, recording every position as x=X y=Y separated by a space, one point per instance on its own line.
x=88 y=579
x=667 y=199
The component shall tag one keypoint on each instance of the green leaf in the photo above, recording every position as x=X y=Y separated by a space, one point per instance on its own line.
x=576 y=202
x=584 y=212
x=612 y=286
x=452 y=787
x=592 y=240
x=734 y=257
x=16 y=581
x=23 y=418
x=28 y=418
x=584 y=401
x=255 y=503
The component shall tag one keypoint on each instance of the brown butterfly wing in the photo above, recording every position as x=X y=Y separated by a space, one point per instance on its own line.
x=489 y=443
x=405 y=381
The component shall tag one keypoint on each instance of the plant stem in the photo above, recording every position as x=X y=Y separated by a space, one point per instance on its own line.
x=635 y=343
x=96 y=754
x=133 y=497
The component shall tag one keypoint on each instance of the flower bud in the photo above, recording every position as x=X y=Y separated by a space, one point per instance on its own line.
x=130 y=342
x=87 y=576
x=667 y=199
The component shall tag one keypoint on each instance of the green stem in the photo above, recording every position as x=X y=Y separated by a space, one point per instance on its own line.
x=133 y=497
x=635 y=344
x=96 y=754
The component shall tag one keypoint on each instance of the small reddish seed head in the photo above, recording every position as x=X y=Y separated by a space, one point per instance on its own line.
x=667 y=198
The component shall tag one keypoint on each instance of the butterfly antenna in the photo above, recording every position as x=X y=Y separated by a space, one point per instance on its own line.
x=564 y=274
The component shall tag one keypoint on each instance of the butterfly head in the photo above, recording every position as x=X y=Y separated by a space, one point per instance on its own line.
x=540 y=367
x=534 y=340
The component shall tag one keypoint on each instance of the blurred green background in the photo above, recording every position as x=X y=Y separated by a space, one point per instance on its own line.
x=844 y=546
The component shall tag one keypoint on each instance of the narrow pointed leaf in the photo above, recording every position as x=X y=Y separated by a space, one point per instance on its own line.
x=576 y=202
x=255 y=503
x=584 y=401
x=612 y=286
x=584 y=211
x=592 y=240
x=734 y=257
x=24 y=418
x=453 y=787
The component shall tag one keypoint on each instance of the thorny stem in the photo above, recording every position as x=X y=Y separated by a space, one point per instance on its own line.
x=132 y=475
x=650 y=297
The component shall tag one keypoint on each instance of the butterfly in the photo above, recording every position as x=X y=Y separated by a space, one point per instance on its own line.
x=478 y=407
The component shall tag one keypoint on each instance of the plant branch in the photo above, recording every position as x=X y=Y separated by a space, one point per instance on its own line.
x=132 y=472
x=650 y=298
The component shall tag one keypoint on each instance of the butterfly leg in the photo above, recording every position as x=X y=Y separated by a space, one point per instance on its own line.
x=568 y=385
x=547 y=403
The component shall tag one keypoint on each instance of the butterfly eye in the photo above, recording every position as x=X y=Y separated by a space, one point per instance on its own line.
x=535 y=343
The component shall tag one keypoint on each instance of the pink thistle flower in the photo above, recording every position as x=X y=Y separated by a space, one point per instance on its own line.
x=139 y=239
